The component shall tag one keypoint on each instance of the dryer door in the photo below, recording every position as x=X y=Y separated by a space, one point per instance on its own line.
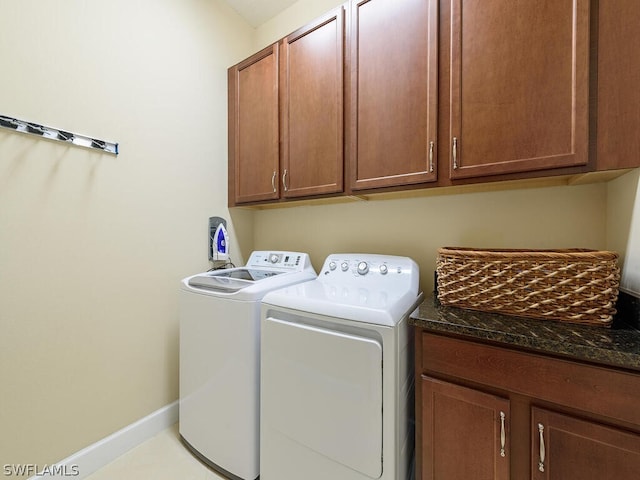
x=323 y=389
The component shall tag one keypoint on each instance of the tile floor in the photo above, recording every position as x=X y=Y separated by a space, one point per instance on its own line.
x=162 y=457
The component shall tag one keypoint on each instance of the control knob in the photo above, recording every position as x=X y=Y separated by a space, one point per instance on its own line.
x=363 y=268
x=332 y=266
x=384 y=269
x=344 y=266
x=273 y=258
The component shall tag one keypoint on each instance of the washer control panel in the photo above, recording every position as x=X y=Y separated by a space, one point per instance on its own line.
x=288 y=261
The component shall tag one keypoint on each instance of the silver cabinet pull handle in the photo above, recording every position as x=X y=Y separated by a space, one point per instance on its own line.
x=273 y=181
x=455 y=153
x=284 y=180
x=542 y=452
x=503 y=436
x=431 y=148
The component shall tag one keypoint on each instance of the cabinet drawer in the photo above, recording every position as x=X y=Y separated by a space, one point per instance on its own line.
x=598 y=390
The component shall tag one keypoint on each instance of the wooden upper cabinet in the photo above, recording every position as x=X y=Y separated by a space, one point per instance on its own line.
x=311 y=66
x=393 y=71
x=519 y=80
x=376 y=95
x=254 y=148
x=618 y=80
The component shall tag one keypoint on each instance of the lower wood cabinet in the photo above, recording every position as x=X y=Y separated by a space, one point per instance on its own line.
x=464 y=432
x=491 y=413
x=565 y=447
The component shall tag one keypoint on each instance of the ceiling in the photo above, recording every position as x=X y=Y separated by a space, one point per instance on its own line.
x=256 y=12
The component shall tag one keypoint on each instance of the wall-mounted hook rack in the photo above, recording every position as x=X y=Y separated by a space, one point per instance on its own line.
x=56 y=134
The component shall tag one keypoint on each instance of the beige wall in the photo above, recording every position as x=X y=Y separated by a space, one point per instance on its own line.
x=294 y=17
x=554 y=217
x=623 y=227
x=92 y=246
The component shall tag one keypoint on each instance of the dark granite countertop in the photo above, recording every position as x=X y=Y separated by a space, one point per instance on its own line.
x=618 y=346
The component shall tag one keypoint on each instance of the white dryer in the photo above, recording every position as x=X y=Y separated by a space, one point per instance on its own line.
x=220 y=358
x=337 y=372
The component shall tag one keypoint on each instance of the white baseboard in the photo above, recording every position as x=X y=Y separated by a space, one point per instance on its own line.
x=83 y=463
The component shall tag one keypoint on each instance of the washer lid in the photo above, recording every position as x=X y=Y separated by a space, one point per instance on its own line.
x=230 y=280
x=263 y=272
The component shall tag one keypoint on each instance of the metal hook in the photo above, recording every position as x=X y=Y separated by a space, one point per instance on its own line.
x=98 y=144
x=35 y=128
x=8 y=122
x=66 y=136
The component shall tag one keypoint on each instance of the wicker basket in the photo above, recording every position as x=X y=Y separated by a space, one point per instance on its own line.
x=575 y=285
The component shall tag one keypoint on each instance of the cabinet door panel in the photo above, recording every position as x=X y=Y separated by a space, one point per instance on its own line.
x=253 y=127
x=519 y=85
x=576 y=449
x=462 y=433
x=618 y=79
x=393 y=92
x=312 y=64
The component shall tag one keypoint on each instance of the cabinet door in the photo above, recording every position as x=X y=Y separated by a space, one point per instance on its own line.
x=519 y=85
x=312 y=64
x=618 y=79
x=566 y=448
x=465 y=433
x=393 y=92
x=254 y=151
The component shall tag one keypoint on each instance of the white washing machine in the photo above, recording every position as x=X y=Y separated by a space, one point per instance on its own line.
x=337 y=372
x=220 y=358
